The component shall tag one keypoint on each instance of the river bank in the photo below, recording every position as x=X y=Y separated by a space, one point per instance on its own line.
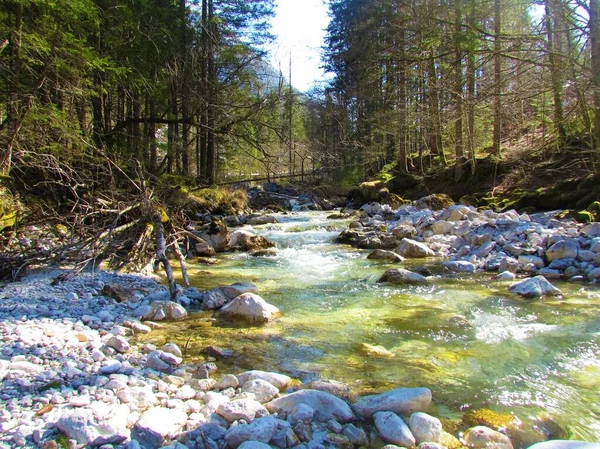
x=70 y=377
x=72 y=373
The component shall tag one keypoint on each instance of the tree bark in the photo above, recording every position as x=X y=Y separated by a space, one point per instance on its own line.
x=458 y=94
x=497 y=133
x=595 y=65
x=555 y=74
x=14 y=104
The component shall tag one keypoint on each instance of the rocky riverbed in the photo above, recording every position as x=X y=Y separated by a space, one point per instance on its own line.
x=72 y=375
x=462 y=239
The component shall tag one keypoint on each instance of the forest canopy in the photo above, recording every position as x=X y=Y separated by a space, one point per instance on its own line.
x=185 y=87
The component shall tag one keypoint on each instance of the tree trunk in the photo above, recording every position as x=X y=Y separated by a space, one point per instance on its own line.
x=211 y=158
x=402 y=128
x=471 y=95
x=497 y=134
x=458 y=89
x=14 y=104
x=555 y=73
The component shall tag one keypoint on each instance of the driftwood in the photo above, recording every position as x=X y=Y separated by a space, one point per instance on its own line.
x=161 y=255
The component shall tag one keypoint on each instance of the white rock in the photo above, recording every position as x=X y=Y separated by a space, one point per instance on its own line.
x=118 y=343
x=326 y=406
x=412 y=248
x=110 y=366
x=565 y=444
x=535 y=287
x=400 y=401
x=26 y=367
x=506 y=276
x=251 y=307
x=425 y=428
x=281 y=381
x=246 y=409
x=591 y=230
x=304 y=412
x=262 y=390
x=459 y=266
x=185 y=392
x=173 y=349
x=262 y=430
x=227 y=381
x=562 y=249
x=253 y=445
x=481 y=437
x=393 y=429
x=157 y=424
x=140 y=397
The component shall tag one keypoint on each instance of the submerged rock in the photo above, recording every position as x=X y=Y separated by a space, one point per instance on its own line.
x=481 y=437
x=382 y=254
x=402 y=276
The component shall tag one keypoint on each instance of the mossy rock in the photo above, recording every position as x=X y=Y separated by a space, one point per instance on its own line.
x=488 y=418
x=584 y=216
x=396 y=201
x=436 y=201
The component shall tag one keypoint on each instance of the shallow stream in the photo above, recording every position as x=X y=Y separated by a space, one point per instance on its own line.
x=464 y=337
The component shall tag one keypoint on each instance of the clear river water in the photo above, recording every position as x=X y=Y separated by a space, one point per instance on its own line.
x=465 y=337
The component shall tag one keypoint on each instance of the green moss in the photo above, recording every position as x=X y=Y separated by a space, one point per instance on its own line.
x=584 y=216
x=488 y=418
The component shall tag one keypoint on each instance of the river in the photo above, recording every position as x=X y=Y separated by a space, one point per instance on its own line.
x=464 y=337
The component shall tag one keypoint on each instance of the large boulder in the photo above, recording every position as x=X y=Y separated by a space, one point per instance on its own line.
x=245 y=240
x=413 y=249
x=400 y=401
x=260 y=199
x=326 y=406
x=251 y=307
x=562 y=250
x=402 y=276
x=535 y=287
x=437 y=201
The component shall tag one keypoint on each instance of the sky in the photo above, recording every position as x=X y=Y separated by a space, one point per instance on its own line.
x=300 y=29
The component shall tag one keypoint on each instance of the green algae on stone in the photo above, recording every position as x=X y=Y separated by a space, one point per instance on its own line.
x=488 y=418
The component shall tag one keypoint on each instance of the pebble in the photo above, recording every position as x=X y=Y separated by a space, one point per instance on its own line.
x=66 y=362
